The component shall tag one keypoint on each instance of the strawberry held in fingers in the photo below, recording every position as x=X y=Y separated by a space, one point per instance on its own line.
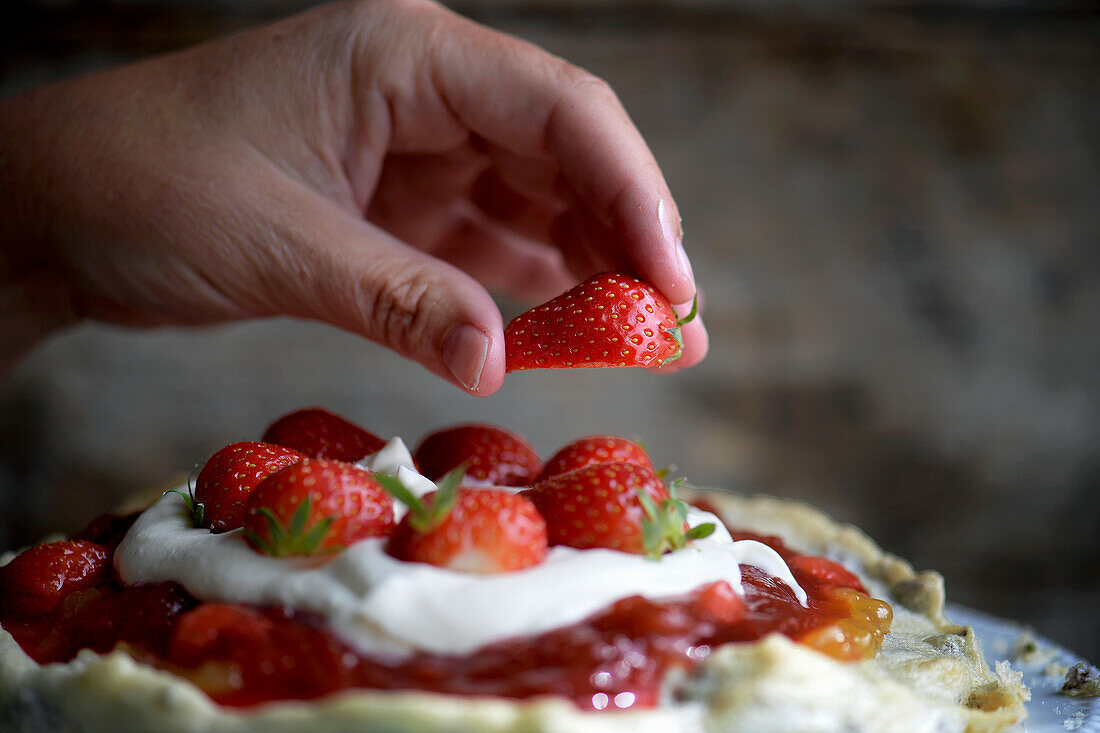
x=472 y=530
x=595 y=449
x=619 y=506
x=229 y=478
x=316 y=506
x=609 y=320
x=486 y=453
x=319 y=433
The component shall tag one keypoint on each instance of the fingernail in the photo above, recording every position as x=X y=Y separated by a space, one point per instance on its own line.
x=674 y=234
x=464 y=352
x=685 y=263
x=671 y=230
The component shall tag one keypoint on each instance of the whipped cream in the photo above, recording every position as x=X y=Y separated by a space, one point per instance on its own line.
x=382 y=605
x=394 y=458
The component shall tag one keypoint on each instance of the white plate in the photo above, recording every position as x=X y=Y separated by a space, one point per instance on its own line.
x=1048 y=710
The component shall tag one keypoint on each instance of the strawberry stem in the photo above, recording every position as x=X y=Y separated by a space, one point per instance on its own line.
x=295 y=539
x=397 y=490
x=663 y=528
x=195 y=510
x=690 y=316
x=426 y=514
x=677 y=331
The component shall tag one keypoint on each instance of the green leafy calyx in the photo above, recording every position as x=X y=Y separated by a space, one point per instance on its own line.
x=663 y=526
x=296 y=539
x=425 y=514
x=677 y=331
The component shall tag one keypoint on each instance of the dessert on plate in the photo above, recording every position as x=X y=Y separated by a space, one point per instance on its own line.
x=327 y=579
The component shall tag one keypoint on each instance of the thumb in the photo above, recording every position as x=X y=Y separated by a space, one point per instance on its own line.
x=355 y=276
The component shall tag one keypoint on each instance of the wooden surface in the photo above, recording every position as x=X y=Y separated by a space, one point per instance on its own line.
x=895 y=220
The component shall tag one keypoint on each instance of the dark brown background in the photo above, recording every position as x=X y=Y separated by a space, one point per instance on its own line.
x=893 y=212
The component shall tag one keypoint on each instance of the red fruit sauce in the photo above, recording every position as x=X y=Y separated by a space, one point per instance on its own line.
x=243 y=656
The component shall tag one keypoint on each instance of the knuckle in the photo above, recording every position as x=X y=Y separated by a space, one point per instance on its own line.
x=402 y=310
x=580 y=89
x=584 y=84
x=400 y=21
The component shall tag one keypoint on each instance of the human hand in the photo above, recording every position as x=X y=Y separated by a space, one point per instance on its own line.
x=371 y=165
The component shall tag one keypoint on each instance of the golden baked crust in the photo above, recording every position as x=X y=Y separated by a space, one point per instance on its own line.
x=929 y=675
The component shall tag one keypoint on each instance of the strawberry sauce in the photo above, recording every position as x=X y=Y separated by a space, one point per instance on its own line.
x=617 y=659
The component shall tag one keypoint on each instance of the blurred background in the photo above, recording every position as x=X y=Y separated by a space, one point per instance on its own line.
x=892 y=209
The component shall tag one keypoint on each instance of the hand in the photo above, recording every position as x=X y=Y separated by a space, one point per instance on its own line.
x=371 y=165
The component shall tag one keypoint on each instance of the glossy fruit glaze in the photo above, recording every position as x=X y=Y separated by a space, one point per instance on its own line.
x=617 y=659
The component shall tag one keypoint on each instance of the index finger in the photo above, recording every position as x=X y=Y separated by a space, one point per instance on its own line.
x=523 y=99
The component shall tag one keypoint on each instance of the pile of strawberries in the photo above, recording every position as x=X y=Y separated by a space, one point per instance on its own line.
x=299 y=492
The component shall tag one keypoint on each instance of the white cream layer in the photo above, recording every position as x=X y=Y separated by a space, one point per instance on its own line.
x=383 y=605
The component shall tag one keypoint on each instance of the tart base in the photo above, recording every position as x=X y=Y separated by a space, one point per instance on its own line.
x=930 y=673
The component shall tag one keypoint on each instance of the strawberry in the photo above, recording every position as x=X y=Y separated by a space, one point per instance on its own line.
x=141 y=615
x=246 y=656
x=721 y=603
x=609 y=320
x=107 y=529
x=595 y=449
x=487 y=453
x=319 y=433
x=217 y=630
x=41 y=577
x=620 y=506
x=229 y=478
x=473 y=530
x=824 y=571
x=316 y=506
